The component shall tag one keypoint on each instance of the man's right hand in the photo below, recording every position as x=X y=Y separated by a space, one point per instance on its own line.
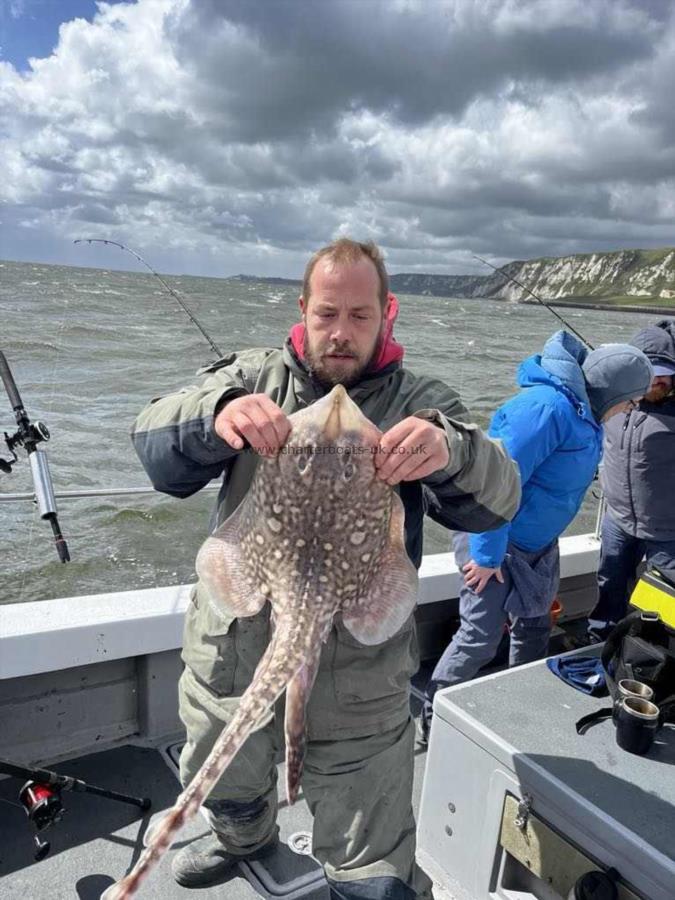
x=256 y=419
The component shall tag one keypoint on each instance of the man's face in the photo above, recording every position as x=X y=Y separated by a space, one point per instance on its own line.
x=659 y=389
x=343 y=320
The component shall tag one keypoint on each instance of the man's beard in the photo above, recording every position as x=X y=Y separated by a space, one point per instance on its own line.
x=659 y=395
x=327 y=379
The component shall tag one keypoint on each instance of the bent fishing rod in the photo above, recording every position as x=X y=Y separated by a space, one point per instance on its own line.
x=29 y=435
x=543 y=302
x=191 y=316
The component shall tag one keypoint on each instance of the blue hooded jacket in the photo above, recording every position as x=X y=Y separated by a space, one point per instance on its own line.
x=549 y=430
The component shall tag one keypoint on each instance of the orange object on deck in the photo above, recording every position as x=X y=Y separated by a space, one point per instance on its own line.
x=556 y=609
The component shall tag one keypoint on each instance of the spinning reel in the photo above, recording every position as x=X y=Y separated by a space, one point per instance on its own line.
x=42 y=803
x=41 y=798
x=28 y=435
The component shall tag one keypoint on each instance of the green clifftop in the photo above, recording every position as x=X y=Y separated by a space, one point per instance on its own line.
x=642 y=278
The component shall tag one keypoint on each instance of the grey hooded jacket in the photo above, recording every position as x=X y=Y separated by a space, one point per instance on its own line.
x=638 y=470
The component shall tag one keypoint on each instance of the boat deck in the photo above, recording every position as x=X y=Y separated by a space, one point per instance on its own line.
x=99 y=840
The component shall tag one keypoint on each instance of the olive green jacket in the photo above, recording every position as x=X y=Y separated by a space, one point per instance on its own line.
x=478 y=490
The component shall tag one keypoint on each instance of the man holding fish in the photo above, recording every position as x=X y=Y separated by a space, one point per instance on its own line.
x=317 y=442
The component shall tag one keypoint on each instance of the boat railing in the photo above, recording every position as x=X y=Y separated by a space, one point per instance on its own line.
x=213 y=487
x=92 y=492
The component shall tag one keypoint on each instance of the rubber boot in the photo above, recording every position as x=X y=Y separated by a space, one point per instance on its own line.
x=206 y=861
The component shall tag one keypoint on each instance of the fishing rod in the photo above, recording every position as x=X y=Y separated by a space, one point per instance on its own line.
x=28 y=436
x=191 y=316
x=543 y=302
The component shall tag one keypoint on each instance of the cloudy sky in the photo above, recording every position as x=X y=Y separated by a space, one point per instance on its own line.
x=225 y=136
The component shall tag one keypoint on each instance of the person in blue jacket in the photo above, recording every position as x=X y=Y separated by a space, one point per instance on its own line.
x=552 y=429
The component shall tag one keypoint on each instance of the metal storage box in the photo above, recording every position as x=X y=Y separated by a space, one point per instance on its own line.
x=504 y=748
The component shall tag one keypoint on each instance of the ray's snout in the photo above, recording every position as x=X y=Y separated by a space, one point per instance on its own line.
x=339 y=414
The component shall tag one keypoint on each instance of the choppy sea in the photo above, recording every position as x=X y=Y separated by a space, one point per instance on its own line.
x=89 y=348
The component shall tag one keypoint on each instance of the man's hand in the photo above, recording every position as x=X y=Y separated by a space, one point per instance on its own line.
x=256 y=419
x=476 y=577
x=414 y=448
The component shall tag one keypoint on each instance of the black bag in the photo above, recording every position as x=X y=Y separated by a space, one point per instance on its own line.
x=641 y=647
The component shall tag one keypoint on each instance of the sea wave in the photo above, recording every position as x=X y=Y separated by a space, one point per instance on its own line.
x=118 y=341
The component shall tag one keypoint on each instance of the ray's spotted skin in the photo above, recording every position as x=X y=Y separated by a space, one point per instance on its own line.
x=317 y=535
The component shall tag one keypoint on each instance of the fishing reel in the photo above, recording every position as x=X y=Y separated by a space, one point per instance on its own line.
x=32 y=434
x=28 y=435
x=43 y=806
x=40 y=797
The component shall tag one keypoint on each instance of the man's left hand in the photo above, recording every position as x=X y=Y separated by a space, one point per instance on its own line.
x=412 y=449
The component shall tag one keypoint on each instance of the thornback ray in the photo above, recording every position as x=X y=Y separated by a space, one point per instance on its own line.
x=318 y=535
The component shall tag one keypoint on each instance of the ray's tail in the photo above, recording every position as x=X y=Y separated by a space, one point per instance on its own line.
x=276 y=668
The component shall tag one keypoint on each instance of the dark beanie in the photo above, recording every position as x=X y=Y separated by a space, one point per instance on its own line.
x=614 y=373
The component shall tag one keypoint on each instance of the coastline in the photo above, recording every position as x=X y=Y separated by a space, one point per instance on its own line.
x=608 y=307
x=571 y=302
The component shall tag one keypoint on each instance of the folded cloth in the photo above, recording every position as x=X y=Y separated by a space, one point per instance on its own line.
x=585 y=673
x=534 y=580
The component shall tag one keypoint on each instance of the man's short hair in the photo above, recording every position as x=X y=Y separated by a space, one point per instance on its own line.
x=345 y=251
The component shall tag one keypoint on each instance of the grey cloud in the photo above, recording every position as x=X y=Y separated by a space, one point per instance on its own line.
x=659 y=110
x=95 y=213
x=289 y=164
x=499 y=194
x=290 y=223
x=295 y=70
x=268 y=129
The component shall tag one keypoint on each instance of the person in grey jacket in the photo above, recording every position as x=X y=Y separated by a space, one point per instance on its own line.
x=359 y=765
x=638 y=481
